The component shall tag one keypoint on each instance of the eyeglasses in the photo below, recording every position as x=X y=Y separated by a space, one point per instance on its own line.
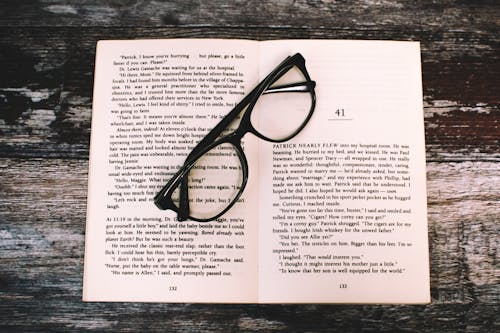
x=215 y=173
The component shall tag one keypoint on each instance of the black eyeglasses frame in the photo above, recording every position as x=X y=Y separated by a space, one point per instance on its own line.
x=163 y=200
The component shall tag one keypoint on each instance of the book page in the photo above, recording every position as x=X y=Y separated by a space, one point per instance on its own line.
x=154 y=100
x=343 y=204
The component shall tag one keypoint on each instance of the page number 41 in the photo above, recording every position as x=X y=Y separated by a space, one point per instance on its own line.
x=339 y=114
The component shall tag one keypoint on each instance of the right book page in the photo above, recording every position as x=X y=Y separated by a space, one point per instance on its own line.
x=343 y=215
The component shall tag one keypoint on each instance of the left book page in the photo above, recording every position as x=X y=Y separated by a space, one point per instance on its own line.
x=149 y=109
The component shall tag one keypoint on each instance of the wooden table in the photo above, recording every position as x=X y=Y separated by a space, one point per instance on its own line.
x=47 y=51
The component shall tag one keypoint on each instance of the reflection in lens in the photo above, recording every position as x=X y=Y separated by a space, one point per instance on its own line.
x=281 y=111
x=214 y=181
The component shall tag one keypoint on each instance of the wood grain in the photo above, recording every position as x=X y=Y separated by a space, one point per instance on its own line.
x=47 y=51
x=368 y=14
x=43 y=243
x=45 y=100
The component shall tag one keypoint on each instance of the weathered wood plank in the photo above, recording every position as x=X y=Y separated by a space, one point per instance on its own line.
x=46 y=66
x=42 y=214
x=371 y=14
x=46 y=86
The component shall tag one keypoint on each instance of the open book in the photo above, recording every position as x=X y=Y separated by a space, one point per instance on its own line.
x=337 y=214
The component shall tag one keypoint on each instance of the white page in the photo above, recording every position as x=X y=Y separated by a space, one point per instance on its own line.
x=134 y=250
x=368 y=93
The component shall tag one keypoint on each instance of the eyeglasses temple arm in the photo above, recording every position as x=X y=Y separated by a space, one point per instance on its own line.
x=183 y=212
x=222 y=125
